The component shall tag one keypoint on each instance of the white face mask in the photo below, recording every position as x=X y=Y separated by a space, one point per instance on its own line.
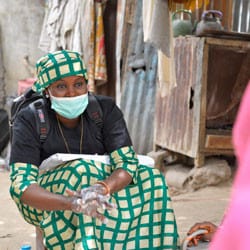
x=69 y=107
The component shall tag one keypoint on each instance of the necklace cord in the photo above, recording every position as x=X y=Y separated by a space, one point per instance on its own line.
x=64 y=139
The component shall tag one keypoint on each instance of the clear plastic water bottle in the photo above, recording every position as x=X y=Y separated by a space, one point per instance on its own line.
x=25 y=247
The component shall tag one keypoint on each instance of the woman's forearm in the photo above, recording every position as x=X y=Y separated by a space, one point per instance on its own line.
x=118 y=180
x=40 y=198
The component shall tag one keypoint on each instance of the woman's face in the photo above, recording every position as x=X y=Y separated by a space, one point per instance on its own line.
x=69 y=86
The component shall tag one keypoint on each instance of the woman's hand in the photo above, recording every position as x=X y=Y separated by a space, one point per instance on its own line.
x=91 y=201
x=208 y=226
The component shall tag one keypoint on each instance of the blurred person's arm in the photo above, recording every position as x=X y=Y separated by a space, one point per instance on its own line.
x=209 y=226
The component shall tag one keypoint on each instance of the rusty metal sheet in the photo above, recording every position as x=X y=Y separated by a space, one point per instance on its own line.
x=178 y=113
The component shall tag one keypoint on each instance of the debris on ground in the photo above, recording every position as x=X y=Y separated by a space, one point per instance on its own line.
x=181 y=178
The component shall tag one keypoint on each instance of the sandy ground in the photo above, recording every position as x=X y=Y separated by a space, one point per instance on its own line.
x=205 y=204
x=14 y=231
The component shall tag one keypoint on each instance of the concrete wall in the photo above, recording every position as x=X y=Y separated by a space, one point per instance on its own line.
x=20 y=27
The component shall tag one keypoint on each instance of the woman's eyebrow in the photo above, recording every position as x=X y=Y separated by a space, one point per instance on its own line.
x=79 y=78
x=82 y=80
x=59 y=81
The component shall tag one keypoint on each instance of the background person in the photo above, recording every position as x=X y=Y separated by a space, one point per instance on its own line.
x=234 y=231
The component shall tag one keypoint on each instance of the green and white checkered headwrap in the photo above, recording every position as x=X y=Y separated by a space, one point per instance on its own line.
x=57 y=65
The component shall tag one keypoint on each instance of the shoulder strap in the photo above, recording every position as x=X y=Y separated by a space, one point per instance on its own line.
x=94 y=111
x=19 y=102
x=41 y=115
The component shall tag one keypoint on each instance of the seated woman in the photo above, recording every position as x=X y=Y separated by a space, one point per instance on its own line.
x=85 y=204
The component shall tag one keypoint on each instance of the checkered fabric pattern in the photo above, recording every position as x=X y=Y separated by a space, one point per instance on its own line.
x=57 y=65
x=144 y=218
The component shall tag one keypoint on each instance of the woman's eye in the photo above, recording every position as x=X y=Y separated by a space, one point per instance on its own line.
x=61 y=86
x=79 y=84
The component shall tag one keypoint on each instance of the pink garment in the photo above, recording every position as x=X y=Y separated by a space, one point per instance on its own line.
x=234 y=233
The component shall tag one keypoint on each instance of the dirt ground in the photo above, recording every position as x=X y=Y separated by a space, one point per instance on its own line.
x=208 y=203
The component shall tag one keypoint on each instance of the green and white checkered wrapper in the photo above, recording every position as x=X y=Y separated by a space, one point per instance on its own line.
x=144 y=218
x=57 y=65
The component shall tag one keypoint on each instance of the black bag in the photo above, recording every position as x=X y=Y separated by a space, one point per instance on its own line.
x=4 y=129
x=37 y=103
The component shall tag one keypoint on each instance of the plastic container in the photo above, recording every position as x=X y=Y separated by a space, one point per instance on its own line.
x=25 y=247
x=200 y=246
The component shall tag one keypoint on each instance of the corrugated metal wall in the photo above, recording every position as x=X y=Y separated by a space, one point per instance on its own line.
x=139 y=86
x=2 y=86
x=178 y=113
x=241 y=15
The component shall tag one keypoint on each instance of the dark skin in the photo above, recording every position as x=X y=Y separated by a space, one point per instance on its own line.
x=209 y=226
x=40 y=198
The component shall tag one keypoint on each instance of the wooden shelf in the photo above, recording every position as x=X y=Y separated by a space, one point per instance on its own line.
x=218 y=139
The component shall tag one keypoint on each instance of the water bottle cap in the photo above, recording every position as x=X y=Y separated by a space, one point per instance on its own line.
x=25 y=247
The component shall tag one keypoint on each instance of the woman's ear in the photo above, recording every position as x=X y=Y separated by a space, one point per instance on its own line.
x=46 y=93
